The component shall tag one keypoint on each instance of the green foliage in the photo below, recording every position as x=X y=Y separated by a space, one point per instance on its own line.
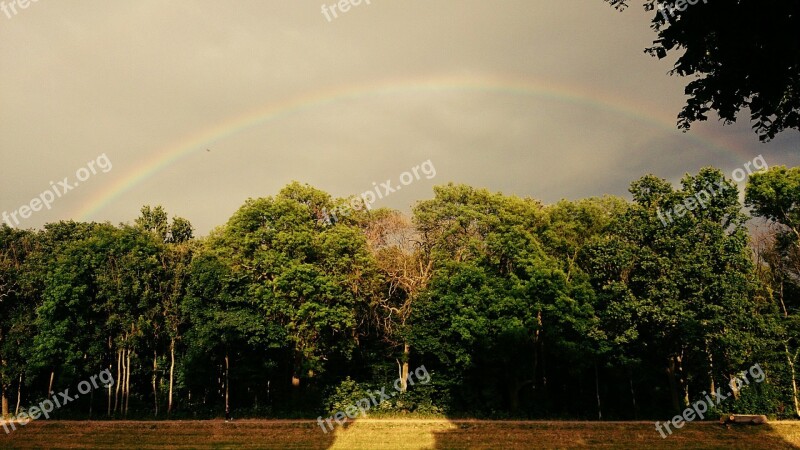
x=755 y=399
x=419 y=399
x=345 y=394
x=572 y=310
x=709 y=39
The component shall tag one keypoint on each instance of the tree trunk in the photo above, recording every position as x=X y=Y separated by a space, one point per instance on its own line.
x=227 y=388
x=19 y=396
x=128 y=371
x=673 y=384
x=538 y=353
x=734 y=389
x=543 y=355
x=712 y=386
x=794 y=380
x=633 y=395
x=298 y=360
x=110 y=366
x=124 y=380
x=171 y=375
x=4 y=401
x=120 y=381
x=684 y=382
x=50 y=386
x=399 y=370
x=128 y=384
x=155 y=382
x=597 y=391
x=404 y=375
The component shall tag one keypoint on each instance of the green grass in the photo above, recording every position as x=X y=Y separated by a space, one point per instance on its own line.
x=396 y=434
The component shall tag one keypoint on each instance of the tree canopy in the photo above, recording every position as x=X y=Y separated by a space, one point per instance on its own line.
x=739 y=55
x=594 y=308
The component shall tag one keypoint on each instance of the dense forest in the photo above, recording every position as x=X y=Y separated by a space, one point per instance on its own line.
x=590 y=309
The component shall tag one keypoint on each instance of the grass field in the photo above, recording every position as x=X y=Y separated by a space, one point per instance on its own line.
x=396 y=434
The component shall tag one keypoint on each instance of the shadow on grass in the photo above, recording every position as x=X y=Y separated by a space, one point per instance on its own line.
x=249 y=434
x=467 y=434
x=616 y=435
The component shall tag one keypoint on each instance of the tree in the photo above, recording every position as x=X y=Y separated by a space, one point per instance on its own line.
x=514 y=307
x=743 y=54
x=176 y=257
x=177 y=261
x=222 y=319
x=405 y=261
x=573 y=231
x=775 y=196
x=496 y=298
x=16 y=308
x=686 y=283
x=305 y=274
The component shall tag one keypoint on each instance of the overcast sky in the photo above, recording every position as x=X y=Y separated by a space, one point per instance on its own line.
x=548 y=99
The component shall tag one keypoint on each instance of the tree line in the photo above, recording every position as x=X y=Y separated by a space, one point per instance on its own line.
x=587 y=309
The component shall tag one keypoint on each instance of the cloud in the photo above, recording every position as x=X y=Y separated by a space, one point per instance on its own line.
x=129 y=79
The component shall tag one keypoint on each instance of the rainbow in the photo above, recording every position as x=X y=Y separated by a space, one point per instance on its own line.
x=506 y=85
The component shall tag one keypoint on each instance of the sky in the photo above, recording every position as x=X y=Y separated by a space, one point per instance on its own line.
x=199 y=105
